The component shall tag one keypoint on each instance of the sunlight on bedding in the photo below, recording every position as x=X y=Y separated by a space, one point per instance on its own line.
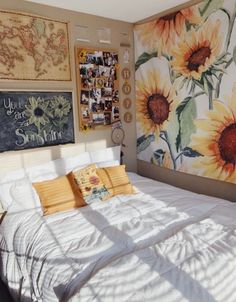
x=130 y=248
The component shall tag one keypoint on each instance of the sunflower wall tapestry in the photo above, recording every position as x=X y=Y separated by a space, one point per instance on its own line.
x=186 y=90
x=35 y=119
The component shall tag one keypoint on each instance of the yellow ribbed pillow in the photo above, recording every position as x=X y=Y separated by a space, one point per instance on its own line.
x=59 y=194
x=116 y=180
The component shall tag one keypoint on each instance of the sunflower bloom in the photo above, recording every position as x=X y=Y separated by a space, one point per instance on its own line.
x=82 y=56
x=216 y=140
x=198 y=51
x=156 y=101
x=37 y=112
x=60 y=106
x=166 y=31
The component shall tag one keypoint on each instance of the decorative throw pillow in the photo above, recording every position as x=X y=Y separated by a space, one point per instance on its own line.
x=116 y=180
x=58 y=195
x=90 y=184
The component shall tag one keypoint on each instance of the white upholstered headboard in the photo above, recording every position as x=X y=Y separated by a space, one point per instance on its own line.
x=12 y=161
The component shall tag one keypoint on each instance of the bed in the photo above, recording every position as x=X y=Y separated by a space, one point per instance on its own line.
x=160 y=244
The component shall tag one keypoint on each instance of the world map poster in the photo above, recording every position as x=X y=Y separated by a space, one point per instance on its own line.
x=33 y=119
x=33 y=48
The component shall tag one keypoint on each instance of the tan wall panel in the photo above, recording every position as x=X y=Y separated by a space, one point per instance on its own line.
x=88 y=140
x=189 y=182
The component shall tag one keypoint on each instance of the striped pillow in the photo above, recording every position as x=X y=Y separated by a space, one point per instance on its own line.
x=116 y=180
x=59 y=194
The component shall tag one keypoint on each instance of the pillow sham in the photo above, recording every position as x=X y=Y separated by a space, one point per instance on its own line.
x=90 y=184
x=116 y=180
x=58 y=195
x=18 y=196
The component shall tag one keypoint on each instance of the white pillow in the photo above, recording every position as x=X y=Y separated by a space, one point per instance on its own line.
x=18 y=196
x=110 y=163
x=62 y=166
x=105 y=155
x=51 y=170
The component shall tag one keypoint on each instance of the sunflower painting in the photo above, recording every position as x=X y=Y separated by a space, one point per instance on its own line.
x=35 y=119
x=216 y=141
x=186 y=90
x=162 y=33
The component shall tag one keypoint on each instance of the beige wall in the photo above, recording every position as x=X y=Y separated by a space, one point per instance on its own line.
x=90 y=140
x=189 y=182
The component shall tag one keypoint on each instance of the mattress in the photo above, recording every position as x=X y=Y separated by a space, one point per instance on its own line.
x=161 y=244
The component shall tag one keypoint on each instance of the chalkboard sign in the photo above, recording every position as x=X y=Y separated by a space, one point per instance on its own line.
x=35 y=119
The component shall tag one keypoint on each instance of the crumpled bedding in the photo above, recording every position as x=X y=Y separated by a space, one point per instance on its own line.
x=161 y=244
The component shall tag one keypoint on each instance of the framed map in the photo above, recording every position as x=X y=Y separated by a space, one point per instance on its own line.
x=32 y=119
x=33 y=48
x=98 y=87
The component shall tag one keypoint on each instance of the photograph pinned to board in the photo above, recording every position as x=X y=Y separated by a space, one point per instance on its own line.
x=33 y=119
x=97 y=87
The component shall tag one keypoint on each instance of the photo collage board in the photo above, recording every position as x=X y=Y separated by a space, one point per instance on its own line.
x=98 y=87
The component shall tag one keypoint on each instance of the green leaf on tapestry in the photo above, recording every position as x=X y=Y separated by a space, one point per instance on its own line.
x=182 y=106
x=210 y=81
x=144 y=58
x=234 y=55
x=189 y=152
x=206 y=86
x=199 y=84
x=186 y=112
x=209 y=6
x=178 y=141
x=143 y=142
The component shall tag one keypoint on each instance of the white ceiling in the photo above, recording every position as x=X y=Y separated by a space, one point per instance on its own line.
x=125 y=10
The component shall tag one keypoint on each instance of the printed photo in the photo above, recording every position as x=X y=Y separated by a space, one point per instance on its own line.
x=85 y=113
x=104 y=71
x=107 y=118
x=110 y=59
x=112 y=73
x=98 y=119
x=86 y=70
x=96 y=93
x=116 y=113
x=95 y=58
x=84 y=97
x=115 y=96
x=99 y=83
x=87 y=83
x=109 y=83
x=108 y=105
x=107 y=92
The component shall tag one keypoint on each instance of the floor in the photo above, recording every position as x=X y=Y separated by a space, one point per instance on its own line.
x=4 y=295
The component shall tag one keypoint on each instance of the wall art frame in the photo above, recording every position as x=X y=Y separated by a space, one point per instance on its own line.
x=97 y=87
x=33 y=119
x=34 y=48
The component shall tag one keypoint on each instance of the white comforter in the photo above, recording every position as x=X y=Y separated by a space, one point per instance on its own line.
x=171 y=246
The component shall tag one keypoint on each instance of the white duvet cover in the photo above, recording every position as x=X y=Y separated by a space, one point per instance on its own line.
x=160 y=245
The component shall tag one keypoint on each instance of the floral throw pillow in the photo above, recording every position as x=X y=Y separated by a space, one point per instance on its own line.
x=90 y=184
